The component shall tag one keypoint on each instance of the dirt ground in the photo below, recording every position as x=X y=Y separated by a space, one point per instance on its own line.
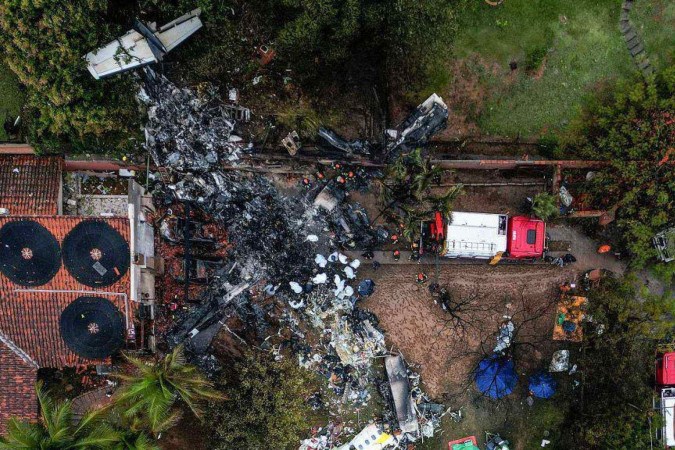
x=445 y=351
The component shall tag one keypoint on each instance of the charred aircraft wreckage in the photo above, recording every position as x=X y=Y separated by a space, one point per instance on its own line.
x=284 y=274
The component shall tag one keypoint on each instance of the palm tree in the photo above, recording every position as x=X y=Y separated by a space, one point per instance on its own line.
x=406 y=193
x=148 y=396
x=56 y=429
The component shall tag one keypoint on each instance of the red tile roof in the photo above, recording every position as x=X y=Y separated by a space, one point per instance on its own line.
x=30 y=185
x=29 y=322
x=17 y=384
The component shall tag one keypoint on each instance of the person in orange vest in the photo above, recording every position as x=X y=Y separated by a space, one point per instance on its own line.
x=604 y=248
x=397 y=255
x=421 y=278
x=306 y=183
x=394 y=239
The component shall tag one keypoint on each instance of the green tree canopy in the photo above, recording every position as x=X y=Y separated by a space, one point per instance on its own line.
x=320 y=36
x=266 y=404
x=43 y=43
x=149 y=395
x=406 y=193
x=545 y=206
x=56 y=430
x=617 y=362
x=633 y=127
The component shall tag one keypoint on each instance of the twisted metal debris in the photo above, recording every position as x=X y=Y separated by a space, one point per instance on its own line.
x=278 y=246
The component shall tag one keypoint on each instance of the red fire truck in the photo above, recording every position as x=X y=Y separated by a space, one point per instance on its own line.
x=484 y=236
x=665 y=387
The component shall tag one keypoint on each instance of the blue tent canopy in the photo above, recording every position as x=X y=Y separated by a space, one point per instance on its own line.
x=542 y=385
x=496 y=377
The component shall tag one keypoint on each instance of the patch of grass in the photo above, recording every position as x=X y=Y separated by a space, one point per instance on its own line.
x=655 y=21
x=11 y=97
x=563 y=49
x=579 y=40
x=511 y=417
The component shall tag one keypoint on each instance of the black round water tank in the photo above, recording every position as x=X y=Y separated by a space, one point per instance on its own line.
x=95 y=253
x=29 y=253
x=92 y=327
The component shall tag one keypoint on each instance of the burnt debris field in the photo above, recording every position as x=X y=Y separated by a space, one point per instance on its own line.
x=337 y=225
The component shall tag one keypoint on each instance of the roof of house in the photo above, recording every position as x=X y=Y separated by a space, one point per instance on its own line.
x=18 y=373
x=30 y=185
x=30 y=333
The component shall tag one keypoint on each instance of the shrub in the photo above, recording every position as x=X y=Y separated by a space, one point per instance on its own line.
x=43 y=44
x=545 y=206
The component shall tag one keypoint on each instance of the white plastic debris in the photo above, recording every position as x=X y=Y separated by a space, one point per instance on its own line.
x=349 y=272
x=355 y=264
x=349 y=291
x=339 y=285
x=560 y=361
x=312 y=238
x=321 y=260
x=296 y=304
x=504 y=338
x=296 y=287
x=343 y=258
x=270 y=290
x=320 y=278
x=333 y=257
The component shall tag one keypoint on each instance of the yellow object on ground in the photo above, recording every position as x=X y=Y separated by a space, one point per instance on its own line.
x=569 y=314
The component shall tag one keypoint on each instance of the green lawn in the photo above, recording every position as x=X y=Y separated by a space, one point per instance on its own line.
x=655 y=21
x=11 y=97
x=563 y=48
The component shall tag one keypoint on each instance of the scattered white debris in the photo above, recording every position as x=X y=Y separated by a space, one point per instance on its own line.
x=343 y=258
x=296 y=287
x=296 y=305
x=312 y=238
x=270 y=290
x=560 y=361
x=355 y=264
x=320 y=278
x=321 y=260
x=505 y=337
x=333 y=257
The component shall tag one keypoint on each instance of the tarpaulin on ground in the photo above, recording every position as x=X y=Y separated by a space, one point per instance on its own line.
x=496 y=377
x=542 y=385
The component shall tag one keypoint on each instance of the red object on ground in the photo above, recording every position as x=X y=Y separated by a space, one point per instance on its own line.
x=463 y=441
x=526 y=237
x=665 y=369
x=604 y=248
x=437 y=229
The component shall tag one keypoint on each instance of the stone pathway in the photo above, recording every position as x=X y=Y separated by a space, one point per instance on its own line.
x=633 y=41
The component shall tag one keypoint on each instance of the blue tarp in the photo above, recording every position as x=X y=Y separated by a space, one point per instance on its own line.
x=366 y=287
x=496 y=377
x=542 y=385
